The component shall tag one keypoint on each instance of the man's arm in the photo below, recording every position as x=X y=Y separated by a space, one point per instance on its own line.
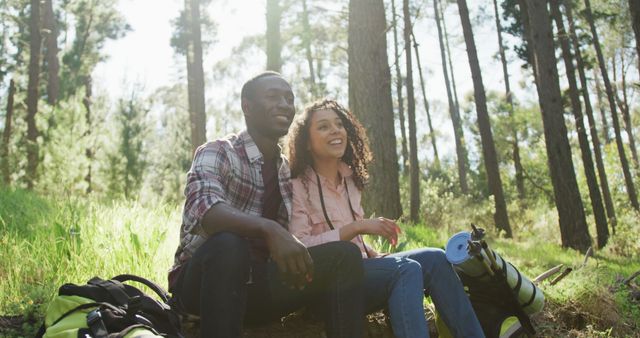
x=291 y=256
x=207 y=210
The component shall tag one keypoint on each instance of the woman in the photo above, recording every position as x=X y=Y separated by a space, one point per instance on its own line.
x=329 y=154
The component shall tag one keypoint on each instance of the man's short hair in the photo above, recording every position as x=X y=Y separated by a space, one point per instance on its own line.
x=249 y=87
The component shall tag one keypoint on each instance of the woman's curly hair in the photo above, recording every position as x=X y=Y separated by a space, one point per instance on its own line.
x=357 y=155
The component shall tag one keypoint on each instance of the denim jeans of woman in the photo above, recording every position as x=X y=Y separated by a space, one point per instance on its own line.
x=395 y=283
x=447 y=293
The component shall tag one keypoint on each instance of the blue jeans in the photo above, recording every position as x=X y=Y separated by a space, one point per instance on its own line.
x=396 y=283
x=446 y=291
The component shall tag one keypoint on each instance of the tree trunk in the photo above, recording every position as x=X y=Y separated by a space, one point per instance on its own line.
x=405 y=152
x=634 y=8
x=573 y=225
x=414 y=167
x=274 y=46
x=86 y=102
x=370 y=100
x=509 y=95
x=603 y=115
x=51 y=56
x=526 y=26
x=631 y=190
x=307 y=47
x=32 y=93
x=587 y=161
x=454 y=113
x=602 y=175
x=6 y=135
x=453 y=81
x=432 y=134
x=195 y=75
x=626 y=115
x=484 y=125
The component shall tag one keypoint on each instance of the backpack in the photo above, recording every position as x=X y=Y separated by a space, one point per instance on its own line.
x=110 y=309
x=496 y=307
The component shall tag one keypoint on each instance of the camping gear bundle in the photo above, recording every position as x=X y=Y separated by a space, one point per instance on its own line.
x=110 y=308
x=501 y=296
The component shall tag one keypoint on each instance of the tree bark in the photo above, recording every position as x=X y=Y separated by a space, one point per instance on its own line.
x=587 y=161
x=370 y=100
x=274 y=45
x=32 y=93
x=51 y=56
x=414 y=167
x=602 y=174
x=573 y=225
x=307 y=48
x=432 y=134
x=6 y=134
x=89 y=153
x=484 y=125
x=454 y=113
x=195 y=75
x=631 y=190
x=515 y=151
x=403 y=132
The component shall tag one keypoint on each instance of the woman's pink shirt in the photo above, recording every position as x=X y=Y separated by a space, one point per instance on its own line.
x=308 y=222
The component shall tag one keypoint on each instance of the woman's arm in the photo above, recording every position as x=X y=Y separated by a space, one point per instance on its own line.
x=379 y=226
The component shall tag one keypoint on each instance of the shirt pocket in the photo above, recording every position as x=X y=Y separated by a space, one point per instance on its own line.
x=319 y=222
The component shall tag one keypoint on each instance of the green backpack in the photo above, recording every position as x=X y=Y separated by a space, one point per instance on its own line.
x=110 y=308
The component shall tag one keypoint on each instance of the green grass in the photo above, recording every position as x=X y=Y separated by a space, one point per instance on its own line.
x=46 y=242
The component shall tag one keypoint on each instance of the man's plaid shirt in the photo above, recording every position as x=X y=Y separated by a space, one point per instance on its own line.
x=229 y=171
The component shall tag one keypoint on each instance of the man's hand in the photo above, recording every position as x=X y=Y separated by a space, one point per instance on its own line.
x=291 y=256
x=382 y=227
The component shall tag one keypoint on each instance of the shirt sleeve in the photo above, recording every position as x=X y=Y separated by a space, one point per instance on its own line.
x=206 y=184
x=302 y=224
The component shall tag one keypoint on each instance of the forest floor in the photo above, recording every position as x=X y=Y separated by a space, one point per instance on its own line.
x=46 y=242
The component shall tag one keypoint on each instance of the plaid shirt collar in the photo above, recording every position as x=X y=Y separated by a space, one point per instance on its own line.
x=250 y=146
x=284 y=173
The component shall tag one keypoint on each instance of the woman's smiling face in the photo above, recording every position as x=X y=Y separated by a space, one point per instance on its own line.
x=327 y=135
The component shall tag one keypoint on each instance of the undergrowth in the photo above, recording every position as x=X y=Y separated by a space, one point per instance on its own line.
x=46 y=242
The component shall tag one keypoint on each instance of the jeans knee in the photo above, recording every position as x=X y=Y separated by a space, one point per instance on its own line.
x=409 y=266
x=228 y=249
x=440 y=258
x=350 y=256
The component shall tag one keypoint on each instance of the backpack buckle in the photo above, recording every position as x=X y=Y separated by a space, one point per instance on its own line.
x=96 y=325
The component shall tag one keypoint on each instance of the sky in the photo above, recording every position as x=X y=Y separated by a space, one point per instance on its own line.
x=145 y=57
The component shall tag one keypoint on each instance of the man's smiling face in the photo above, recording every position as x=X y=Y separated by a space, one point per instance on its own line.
x=270 y=110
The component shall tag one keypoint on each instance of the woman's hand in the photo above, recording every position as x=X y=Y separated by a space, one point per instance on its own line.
x=380 y=226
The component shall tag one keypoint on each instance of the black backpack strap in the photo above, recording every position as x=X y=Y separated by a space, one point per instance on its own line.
x=113 y=287
x=153 y=286
x=41 y=331
x=124 y=332
x=79 y=307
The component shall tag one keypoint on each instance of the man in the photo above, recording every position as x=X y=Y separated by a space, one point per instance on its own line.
x=236 y=261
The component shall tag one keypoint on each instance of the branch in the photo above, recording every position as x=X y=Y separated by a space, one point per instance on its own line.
x=547 y=274
x=627 y=281
x=586 y=256
x=561 y=276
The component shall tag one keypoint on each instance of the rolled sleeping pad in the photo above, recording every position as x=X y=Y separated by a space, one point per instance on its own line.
x=529 y=296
